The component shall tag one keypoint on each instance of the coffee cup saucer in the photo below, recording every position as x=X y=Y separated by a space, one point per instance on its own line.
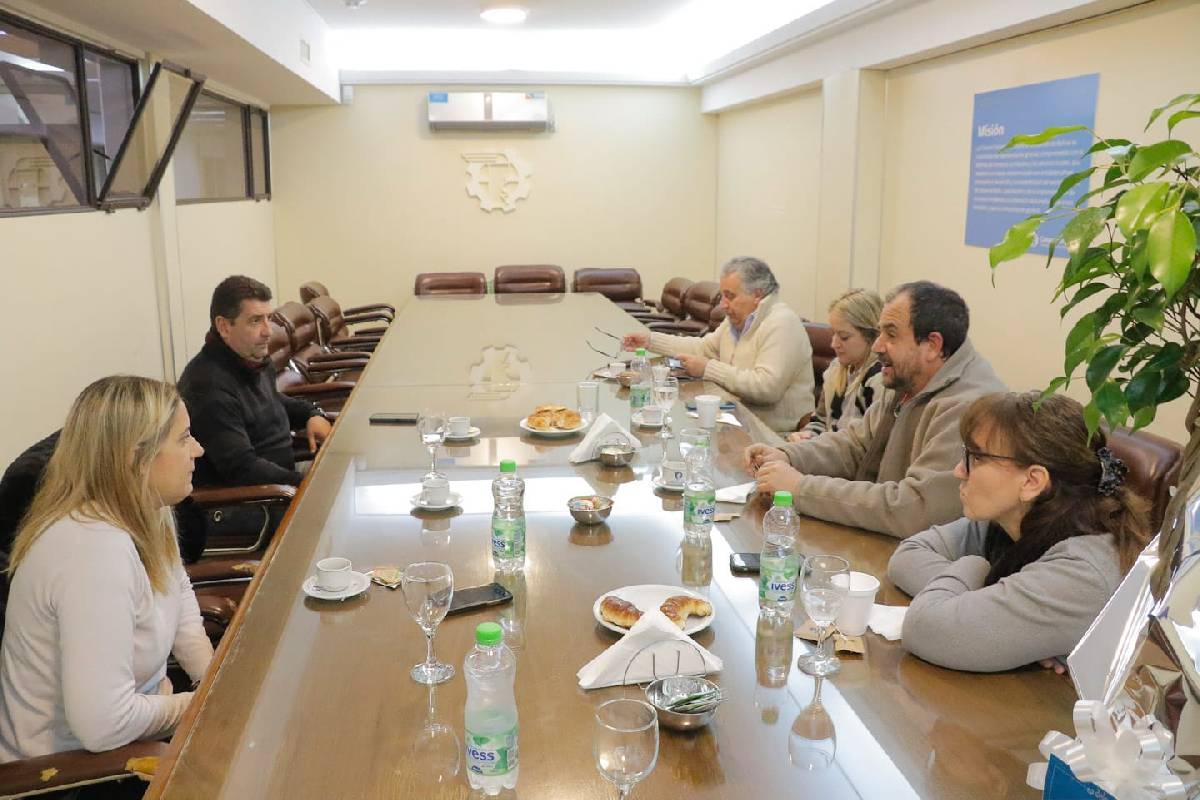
x=471 y=433
x=659 y=483
x=358 y=584
x=452 y=500
x=637 y=419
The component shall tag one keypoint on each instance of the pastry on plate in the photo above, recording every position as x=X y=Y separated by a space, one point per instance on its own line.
x=681 y=606
x=540 y=422
x=619 y=612
x=567 y=419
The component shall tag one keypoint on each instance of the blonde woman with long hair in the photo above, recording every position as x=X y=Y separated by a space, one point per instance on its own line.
x=854 y=380
x=99 y=597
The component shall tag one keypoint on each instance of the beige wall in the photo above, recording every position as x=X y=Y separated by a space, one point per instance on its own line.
x=768 y=173
x=366 y=196
x=1144 y=56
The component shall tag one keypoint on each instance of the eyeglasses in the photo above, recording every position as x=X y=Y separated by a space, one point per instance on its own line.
x=969 y=455
x=595 y=349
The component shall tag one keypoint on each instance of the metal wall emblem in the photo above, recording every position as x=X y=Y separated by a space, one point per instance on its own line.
x=498 y=179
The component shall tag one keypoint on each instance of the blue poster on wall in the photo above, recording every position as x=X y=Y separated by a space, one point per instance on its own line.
x=1009 y=185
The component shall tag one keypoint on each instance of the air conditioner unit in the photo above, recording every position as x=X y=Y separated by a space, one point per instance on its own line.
x=489 y=111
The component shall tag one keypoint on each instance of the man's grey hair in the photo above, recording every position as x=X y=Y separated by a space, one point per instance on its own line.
x=754 y=272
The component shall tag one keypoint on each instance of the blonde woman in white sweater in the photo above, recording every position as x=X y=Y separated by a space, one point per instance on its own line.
x=99 y=597
x=760 y=352
x=855 y=378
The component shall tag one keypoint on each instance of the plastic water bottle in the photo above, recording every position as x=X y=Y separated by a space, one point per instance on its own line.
x=491 y=712
x=508 y=520
x=639 y=391
x=780 y=562
x=699 y=493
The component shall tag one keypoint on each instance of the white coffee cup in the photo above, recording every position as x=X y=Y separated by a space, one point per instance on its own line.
x=707 y=408
x=616 y=367
x=856 y=608
x=672 y=473
x=652 y=415
x=459 y=426
x=333 y=574
x=660 y=372
x=435 y=491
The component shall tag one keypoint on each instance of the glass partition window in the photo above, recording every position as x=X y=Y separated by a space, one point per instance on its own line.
x=260 y=154
x=210 y=162
x=111 y=98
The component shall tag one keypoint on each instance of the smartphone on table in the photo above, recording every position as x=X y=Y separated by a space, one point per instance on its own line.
x=472 y=597
x=726 y=405
x=394 y=418
x=744 y=563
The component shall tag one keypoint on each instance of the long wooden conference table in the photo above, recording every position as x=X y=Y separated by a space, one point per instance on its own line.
x=309 y=699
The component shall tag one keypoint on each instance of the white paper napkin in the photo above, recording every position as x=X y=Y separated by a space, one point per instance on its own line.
x=609 y=668
x=736 y=494
x=603 y=426
x=724 y=416
x=887 y=621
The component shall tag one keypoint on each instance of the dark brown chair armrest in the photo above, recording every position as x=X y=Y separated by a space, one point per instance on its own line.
x=229 y=495
x=365 y=316
x=377 y=331
x=377 y=307
x=650 y=316
x=344 y=365
x=59 y=771
x=220 y=569
x=348 y=341
x=317 y=391
x=216 y=608
x=340 y=355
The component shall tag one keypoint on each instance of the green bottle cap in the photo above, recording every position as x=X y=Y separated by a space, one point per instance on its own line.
x=489 y=634
x=783 y=498
x=508 y=465
x=641 y=351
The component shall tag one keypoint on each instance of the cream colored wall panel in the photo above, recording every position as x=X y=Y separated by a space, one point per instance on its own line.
x=1144 y=56
x=768 y=174
x=217 y=240
x=83 y=305
x=366 y=196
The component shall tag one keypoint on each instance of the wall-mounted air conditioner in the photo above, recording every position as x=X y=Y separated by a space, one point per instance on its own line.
x=489 y=111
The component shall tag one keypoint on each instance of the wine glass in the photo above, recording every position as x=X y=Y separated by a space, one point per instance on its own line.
x=437 y=750
x=428 y=587
x=824 y=581
x=664 y=395
x=812 y=744
x=431 y=426
x=625 y=742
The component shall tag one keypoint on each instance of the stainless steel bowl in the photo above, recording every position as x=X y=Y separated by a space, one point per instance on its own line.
x=664 y=691
x=627 y=378
x=602 y=507
x=616 y=455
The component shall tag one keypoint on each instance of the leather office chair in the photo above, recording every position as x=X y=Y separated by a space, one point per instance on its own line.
x=820 y=336
x=1154 y=463
x=314 y=289
x=524 y=279
x=621 y=285
x=438 y=283
x=328 y=395
x=316 y=363
x=670 y=304
x=703 y=315
x=333 y=328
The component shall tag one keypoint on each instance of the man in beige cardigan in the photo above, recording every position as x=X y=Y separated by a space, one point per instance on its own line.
x=892 y=471
x=760 y=352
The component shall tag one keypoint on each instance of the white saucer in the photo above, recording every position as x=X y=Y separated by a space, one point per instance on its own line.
x=666 y=487
x=552 y=433
x=648 y=596
x=358 y=585
x=636 y=419
x=453 y=499
x=606 y=373
x=470 y=434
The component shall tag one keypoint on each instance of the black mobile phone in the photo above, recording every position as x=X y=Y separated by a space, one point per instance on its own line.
x=473 y=597
x=727 y=405
x=743 y=563
x=394 y=418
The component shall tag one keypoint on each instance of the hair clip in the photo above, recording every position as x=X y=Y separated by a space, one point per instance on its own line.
x=1112 y=472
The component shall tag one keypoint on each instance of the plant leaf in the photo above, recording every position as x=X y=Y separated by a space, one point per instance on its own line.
x=1070 y=182
x=1091 y=418
x=1175 y=384
x=1171 y=249
x=1157 y=155
x=1180 y=116
x=1102 y=363
x=1054 y=386
x=1148 y=315
x=1183 y=98
x=1106 y=144
x=1080 y=231
x=1111 y=403
x=1169 y=357
x=1017 y=240
x=1138 y=204
x=1142 y=389
x=1144 y=416
x=1044 y=136
x=1081 y=295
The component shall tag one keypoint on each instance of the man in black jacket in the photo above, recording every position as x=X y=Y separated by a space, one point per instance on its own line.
x=243 y=423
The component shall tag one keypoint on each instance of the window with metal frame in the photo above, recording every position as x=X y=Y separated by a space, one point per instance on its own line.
x=211 y=162
x=260 y=154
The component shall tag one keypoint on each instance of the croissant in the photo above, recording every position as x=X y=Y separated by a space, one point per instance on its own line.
x=678 y=608
x=540 y=421
x=619 y=612
x=567 y=419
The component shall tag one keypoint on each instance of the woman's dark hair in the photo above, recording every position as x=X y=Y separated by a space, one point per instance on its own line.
x=1051 y=432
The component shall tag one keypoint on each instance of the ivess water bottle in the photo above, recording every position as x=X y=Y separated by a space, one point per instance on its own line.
x=699 y=493
x=639 y=391
x=491 y=712
x=508 y=520
x=780 y=562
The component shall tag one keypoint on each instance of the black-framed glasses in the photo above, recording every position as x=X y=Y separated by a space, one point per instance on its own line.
x=594 y=349
x=969 y=455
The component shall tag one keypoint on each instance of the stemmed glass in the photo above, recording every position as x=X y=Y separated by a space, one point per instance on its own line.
x=812 y=744
x=428 y=587
x=625 y=742
x=437 y=750
x=431 y=426
x=824 y=582
x=665 y=392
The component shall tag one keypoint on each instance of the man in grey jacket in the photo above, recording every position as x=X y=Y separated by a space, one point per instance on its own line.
x=892 y=471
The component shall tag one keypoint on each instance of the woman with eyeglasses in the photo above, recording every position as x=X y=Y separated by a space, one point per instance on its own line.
x=1049 y=531
x=99 y=597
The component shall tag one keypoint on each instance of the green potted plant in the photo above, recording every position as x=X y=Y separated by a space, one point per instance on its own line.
x=1132 y=259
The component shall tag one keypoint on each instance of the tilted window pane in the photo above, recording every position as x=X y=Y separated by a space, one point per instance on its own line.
x=210 y=161
x=258 y=152
x=166 y=98
x=41 y=143
x=111 y=97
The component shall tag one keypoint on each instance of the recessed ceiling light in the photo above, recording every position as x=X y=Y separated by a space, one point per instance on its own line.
x=504 y=15
x=355 y=4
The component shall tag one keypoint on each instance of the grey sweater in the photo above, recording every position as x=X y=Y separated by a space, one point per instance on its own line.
x=1039 y=612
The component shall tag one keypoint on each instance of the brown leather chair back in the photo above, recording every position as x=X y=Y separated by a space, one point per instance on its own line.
x=300 y=323
x=523 y=279
x=820 y=336
x=701 y=299
x=619 y=284
x=450 y=283
x=311 y=290
x=331 y=325
x=716 y=317
x=279 y=346
x=673 y=294
x=1154 y=463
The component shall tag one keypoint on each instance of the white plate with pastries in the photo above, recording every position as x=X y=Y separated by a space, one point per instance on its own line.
x=652 y=595
x=550 y=417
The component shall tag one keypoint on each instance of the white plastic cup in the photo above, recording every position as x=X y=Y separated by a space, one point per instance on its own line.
x=660 y=372
x=856 y=607
x=435 y=491
x=587 y=397
x=615 y=368
x=651 y=415
x=707 y=408
x=459 y=426
x=333 y=574
x=672 y=473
